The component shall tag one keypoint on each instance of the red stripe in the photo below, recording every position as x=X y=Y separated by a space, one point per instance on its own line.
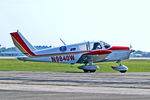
x=22 y=43
x=119 y=48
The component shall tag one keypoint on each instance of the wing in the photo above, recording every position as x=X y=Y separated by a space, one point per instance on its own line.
x=94 y=56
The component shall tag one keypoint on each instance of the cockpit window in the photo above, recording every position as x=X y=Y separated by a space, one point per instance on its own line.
x=97 y=46
x=106 y=45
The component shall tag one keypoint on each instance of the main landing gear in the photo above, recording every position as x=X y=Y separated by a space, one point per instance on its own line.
x=121 y=68
x=89 y=68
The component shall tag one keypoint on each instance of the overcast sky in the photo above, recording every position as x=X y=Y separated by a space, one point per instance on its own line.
x=43 y=22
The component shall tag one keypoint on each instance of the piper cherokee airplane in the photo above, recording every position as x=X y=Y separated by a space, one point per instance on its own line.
x=85 y=53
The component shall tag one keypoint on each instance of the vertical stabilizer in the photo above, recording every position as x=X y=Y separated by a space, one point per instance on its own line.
x=22 y=44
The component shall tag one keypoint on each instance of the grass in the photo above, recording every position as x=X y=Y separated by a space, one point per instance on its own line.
x=15 y=65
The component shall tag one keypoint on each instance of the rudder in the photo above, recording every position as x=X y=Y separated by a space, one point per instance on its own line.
x=22 y=44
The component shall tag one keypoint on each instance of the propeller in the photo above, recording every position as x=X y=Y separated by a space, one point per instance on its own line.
x=132 y=50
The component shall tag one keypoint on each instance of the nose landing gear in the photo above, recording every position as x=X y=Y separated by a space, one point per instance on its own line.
x=121 y=68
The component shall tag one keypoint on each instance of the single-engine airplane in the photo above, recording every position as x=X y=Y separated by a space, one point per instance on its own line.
x=85 y=53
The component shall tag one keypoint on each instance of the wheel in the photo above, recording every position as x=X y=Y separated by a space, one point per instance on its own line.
x=92 y=71
x=85 y=71
x=122 y=71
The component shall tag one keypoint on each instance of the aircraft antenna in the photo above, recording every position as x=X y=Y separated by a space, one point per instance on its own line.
x=62 y=41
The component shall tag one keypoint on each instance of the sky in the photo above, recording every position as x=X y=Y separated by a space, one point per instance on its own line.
x=43 y=22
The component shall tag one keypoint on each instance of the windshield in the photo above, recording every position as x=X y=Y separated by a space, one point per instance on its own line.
x=106 y=45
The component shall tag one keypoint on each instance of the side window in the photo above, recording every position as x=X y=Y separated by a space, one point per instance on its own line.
x=96 y=46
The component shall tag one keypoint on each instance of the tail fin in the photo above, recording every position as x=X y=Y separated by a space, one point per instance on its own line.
x=22 y=44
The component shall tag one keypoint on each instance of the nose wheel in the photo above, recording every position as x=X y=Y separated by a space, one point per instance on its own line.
x=121 y=68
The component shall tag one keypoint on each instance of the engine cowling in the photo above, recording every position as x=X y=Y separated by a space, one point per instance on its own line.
x=121 y=68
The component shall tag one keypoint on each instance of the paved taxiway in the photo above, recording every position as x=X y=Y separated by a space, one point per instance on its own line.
x=28 y=85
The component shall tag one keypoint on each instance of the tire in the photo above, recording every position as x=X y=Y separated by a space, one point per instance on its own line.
x=86 y=71
x=122 y=71
x=92 y=71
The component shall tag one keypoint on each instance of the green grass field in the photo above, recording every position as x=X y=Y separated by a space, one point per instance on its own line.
x=15 y=65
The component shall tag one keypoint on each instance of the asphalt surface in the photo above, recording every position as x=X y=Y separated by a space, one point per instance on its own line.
x=28 y=85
